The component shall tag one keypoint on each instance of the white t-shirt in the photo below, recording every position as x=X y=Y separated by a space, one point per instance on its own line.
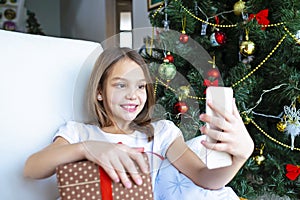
x=165 y=132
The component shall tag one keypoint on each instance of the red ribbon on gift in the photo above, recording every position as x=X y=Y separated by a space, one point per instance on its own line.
x=261 y=18
x=105 y=185
x=293 y=171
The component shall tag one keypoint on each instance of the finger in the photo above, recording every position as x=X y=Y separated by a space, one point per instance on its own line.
x=235 y=109
x=214 y=134
x=217 y=123
x=214 y=146
x=111 y=172
x=132 y=168
x=220 y=109
x=141 y=162
x=121 y=171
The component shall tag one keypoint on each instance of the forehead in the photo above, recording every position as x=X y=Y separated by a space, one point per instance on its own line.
x=126 y=68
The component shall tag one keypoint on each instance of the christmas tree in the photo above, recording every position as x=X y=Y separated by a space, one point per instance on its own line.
x=252 y=46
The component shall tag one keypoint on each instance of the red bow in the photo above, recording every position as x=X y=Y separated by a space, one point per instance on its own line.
x=261 y=17
x=293 y=171
x=210 y=83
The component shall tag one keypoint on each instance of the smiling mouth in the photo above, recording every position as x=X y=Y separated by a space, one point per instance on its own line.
x=130 y=108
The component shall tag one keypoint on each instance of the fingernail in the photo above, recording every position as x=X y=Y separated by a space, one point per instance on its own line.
x=117 y=180
x=139 y=181
x=201 y=116
x=201 y=128
x=127 y=184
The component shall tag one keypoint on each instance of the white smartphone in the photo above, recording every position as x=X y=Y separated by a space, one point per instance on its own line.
x=222 y=98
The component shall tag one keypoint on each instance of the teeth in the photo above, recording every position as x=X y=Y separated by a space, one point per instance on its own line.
x=128 y=107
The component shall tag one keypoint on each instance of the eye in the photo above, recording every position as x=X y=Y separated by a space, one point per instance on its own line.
x=120 y=85
x=142 y=86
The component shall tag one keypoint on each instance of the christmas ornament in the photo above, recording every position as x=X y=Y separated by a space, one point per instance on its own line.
x=214 y=72
x=166 y=22
x=247 y=120
x=183 y=92
x=247 y=47
x=293 y=171
x=260 y=158
x=239 y=7
x=281 y=126
x=181 y=107
x=217 y=38
x=293 y=122
x=169 y=57
x=167 y=70
x=183 y=38
x=261 y=18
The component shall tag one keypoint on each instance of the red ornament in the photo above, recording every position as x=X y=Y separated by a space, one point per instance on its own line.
x=220 y=37
x=183 y=38
x=213 y=73
x=180 y=107
x=169 y=57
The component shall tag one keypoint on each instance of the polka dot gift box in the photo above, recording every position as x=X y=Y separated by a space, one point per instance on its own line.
x=86 y=180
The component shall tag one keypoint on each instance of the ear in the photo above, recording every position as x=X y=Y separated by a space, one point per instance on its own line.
x=99 y=97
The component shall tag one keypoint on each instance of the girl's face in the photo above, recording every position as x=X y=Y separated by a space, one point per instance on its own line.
x=126 y=91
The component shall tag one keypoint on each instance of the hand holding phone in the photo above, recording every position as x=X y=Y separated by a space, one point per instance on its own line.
x=220 y=97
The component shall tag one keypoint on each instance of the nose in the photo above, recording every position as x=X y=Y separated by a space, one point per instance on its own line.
x=131 y=94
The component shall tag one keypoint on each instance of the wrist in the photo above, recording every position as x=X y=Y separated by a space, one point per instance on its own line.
x=83 y=149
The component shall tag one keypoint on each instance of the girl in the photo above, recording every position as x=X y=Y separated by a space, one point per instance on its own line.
x=120 y=99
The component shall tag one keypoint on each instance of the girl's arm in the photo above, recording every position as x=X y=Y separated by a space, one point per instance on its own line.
x=115 y=159
x=235 y=140
x=43 y=163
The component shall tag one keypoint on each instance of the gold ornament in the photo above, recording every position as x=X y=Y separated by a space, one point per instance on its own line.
x=259 y=159
x=247 y=48
x=183 y=92
x=239 y=7
x=281 y=126
x=247 y=120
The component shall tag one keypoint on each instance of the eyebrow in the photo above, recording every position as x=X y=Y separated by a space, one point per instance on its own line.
x=123 y=79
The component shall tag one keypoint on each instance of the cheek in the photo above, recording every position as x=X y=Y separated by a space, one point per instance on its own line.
x=115 y=98
x=143 y=97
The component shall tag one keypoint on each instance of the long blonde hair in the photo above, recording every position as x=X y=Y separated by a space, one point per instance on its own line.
x=100 y=110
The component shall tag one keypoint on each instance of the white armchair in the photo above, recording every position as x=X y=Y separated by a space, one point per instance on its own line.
x=42 y=84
